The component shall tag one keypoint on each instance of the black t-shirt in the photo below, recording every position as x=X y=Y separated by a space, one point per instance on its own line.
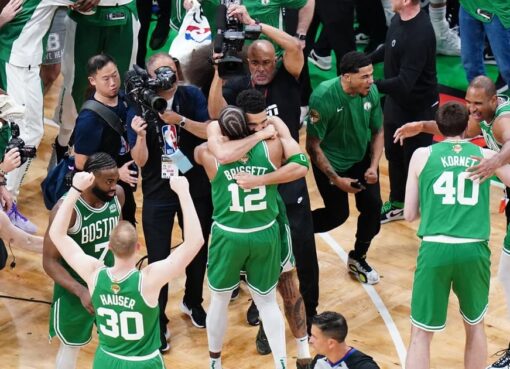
x=93 y=134
x=410 y=63
x=190 y=102
x=283 y=100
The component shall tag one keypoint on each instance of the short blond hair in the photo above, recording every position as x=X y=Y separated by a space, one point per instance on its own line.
x=123 y=239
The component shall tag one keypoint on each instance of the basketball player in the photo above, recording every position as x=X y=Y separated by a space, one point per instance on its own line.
x=244 y=217
x=93 y=218
x=232 y=150
x=125 y=300
x=454 y=228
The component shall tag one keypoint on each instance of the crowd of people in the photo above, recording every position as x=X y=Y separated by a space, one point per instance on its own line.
x=221 y=152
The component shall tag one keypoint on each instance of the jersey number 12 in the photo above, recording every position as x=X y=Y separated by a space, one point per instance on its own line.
x=252 y=201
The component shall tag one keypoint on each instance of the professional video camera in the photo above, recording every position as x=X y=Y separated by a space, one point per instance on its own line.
x=25 y=151
x=141 y=89
x=230 y=40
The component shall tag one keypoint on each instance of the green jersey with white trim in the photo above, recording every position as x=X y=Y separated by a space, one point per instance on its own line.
x=127 y=324
x=244 y=209
x=92 y=229
x=502 y=109
x=21 y=39
x=451 y=204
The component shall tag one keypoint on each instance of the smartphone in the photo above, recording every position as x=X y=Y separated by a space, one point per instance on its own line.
x=484 y=14
x=358 y=185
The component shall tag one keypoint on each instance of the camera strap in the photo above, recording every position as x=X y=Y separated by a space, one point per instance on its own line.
x=106 y=114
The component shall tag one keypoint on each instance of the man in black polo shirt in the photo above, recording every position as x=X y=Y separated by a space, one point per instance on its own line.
x=180 y=129
x=278 y=81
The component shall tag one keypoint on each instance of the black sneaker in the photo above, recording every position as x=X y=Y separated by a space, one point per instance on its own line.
x=360 y=269
x=196 y=313
x=503 y=362
x=160 y=34
x=252 y=315
x=262 y=343
x=235 y=293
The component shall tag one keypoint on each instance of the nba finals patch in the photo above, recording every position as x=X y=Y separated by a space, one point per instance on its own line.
x=115 y=288
x=314 y=116
x=457 y=148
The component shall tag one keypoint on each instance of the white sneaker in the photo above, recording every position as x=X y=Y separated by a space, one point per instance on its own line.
x=448 y=43
x=322 y=62
x=10 y=109
x=362 y=271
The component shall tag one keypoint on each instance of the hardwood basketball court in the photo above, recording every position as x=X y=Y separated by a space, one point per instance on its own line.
x=378 y=316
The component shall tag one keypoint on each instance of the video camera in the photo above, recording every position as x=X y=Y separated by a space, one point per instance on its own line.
x=230 y=40
x=25 y=151
x=142 y=90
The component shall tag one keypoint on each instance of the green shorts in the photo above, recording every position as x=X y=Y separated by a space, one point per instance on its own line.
x=69 y=320
x=104 y=360
x=257 y=253
x=465 y=267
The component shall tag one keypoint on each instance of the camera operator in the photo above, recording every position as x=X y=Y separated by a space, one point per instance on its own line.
x=279 y=83
x=177 y=131
x=93 y=134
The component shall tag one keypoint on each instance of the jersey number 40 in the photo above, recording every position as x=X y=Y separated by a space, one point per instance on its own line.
x=454 y=193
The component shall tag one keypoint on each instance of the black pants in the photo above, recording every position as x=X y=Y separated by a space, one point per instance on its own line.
x=336 y=203
x=337 y=17
x=129 y=208
x=399 y=156
x=158 y=221
x=144 y=8
x=372 y=22
x=303 y=246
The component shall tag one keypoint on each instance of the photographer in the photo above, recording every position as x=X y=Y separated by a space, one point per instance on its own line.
x=93 y=134
x=279 y=83
x=177 y=131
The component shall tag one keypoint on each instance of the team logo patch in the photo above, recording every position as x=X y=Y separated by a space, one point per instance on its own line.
x=264 y=2
x=457 y=148
x=197 y=34
x=244 y=159
x=314 y=116
x=367 y=106
x=113 y=208
x=115 y=288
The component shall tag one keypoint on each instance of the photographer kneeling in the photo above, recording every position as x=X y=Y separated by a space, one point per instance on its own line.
x=100 y=127
x=162 y=145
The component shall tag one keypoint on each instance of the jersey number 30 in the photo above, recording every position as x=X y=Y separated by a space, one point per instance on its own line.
x=252 y=201
x=118 y=324
x=445 y=185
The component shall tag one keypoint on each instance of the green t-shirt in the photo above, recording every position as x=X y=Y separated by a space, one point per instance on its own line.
x=343 y=123
x=244 y=209
x=501 y=8
x=486 y=127
x=126 y=324
x=451 y=204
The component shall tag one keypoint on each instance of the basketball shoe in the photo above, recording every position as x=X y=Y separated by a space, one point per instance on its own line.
x=503 y=362
x=392 y=210
x=361 y=270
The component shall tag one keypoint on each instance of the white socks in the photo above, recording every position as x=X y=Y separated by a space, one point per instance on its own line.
x=303 y=349
x=67 y=356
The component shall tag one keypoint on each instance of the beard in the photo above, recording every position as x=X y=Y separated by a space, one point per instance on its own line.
x=101 y=195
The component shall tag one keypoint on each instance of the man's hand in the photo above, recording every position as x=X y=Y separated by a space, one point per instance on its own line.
x=344 y=184
x=10 y=10
x=84 y=5
x=371 y=175
x=86 y=301
x=240 y=12
x=485 y=169
x=5 y=198
x=170 y=117
x=268 y=133
x=247 y=180
x=12 y=160
x=179 y=184
x=139 y=125
x=127 y=175
x=83 y=180
x=187 y=4
x=406 y=131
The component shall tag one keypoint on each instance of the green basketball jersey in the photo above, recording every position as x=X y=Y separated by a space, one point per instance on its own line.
x=244 y=209
x=451 y=204
x=502 y=109
x=343 y=123
x=126 y=324
x=21 y=39
x=92 y=229
x=483 y=10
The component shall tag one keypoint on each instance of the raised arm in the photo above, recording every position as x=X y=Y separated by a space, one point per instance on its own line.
x=161 y=272
x=72 y=253
x=413 y=128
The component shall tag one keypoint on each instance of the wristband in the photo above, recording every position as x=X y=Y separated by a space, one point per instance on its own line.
x=299 y=159
x=76 y=188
